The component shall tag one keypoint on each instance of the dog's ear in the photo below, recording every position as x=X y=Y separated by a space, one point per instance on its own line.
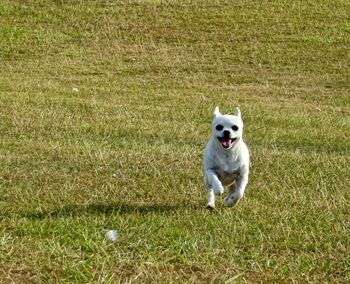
x=217 y=112
x=237 y=112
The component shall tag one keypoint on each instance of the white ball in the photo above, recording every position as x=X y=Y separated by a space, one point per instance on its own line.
x=111 y=235
x=75 y=90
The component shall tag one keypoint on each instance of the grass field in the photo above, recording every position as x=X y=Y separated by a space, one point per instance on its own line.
x=124 y=150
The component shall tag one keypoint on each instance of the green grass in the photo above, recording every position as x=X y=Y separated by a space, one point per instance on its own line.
x=125 y=152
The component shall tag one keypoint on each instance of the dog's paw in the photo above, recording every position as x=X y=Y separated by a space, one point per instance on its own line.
x=210 y=206
x=218 y=190
x=230 y=201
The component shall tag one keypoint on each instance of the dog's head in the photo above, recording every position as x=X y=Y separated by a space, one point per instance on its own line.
x=227 y=129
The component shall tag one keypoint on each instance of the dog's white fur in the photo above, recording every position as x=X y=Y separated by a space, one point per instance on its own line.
x=226 y=159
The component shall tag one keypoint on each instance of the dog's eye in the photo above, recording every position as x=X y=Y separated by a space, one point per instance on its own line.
x=219 y=127
x=234 y=127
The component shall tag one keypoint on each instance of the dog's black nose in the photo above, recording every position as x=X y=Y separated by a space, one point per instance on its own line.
x=226 y=133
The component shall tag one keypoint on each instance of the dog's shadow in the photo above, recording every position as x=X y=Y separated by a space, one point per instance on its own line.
x=106 y=209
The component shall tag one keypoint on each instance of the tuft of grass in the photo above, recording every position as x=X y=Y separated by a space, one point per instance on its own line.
x=105 y=111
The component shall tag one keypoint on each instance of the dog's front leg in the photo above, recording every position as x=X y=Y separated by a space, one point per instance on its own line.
x=211 y=198
x=213 y=185
x=236 y=191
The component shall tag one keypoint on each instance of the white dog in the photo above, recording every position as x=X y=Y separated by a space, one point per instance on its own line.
x=226 y=159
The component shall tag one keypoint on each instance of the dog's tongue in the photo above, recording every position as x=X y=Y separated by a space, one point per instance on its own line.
x=226 y=142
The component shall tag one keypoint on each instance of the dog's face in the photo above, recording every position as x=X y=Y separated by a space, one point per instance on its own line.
x=227 y=129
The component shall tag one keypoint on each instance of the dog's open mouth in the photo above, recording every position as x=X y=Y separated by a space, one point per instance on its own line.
x=226 y=142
